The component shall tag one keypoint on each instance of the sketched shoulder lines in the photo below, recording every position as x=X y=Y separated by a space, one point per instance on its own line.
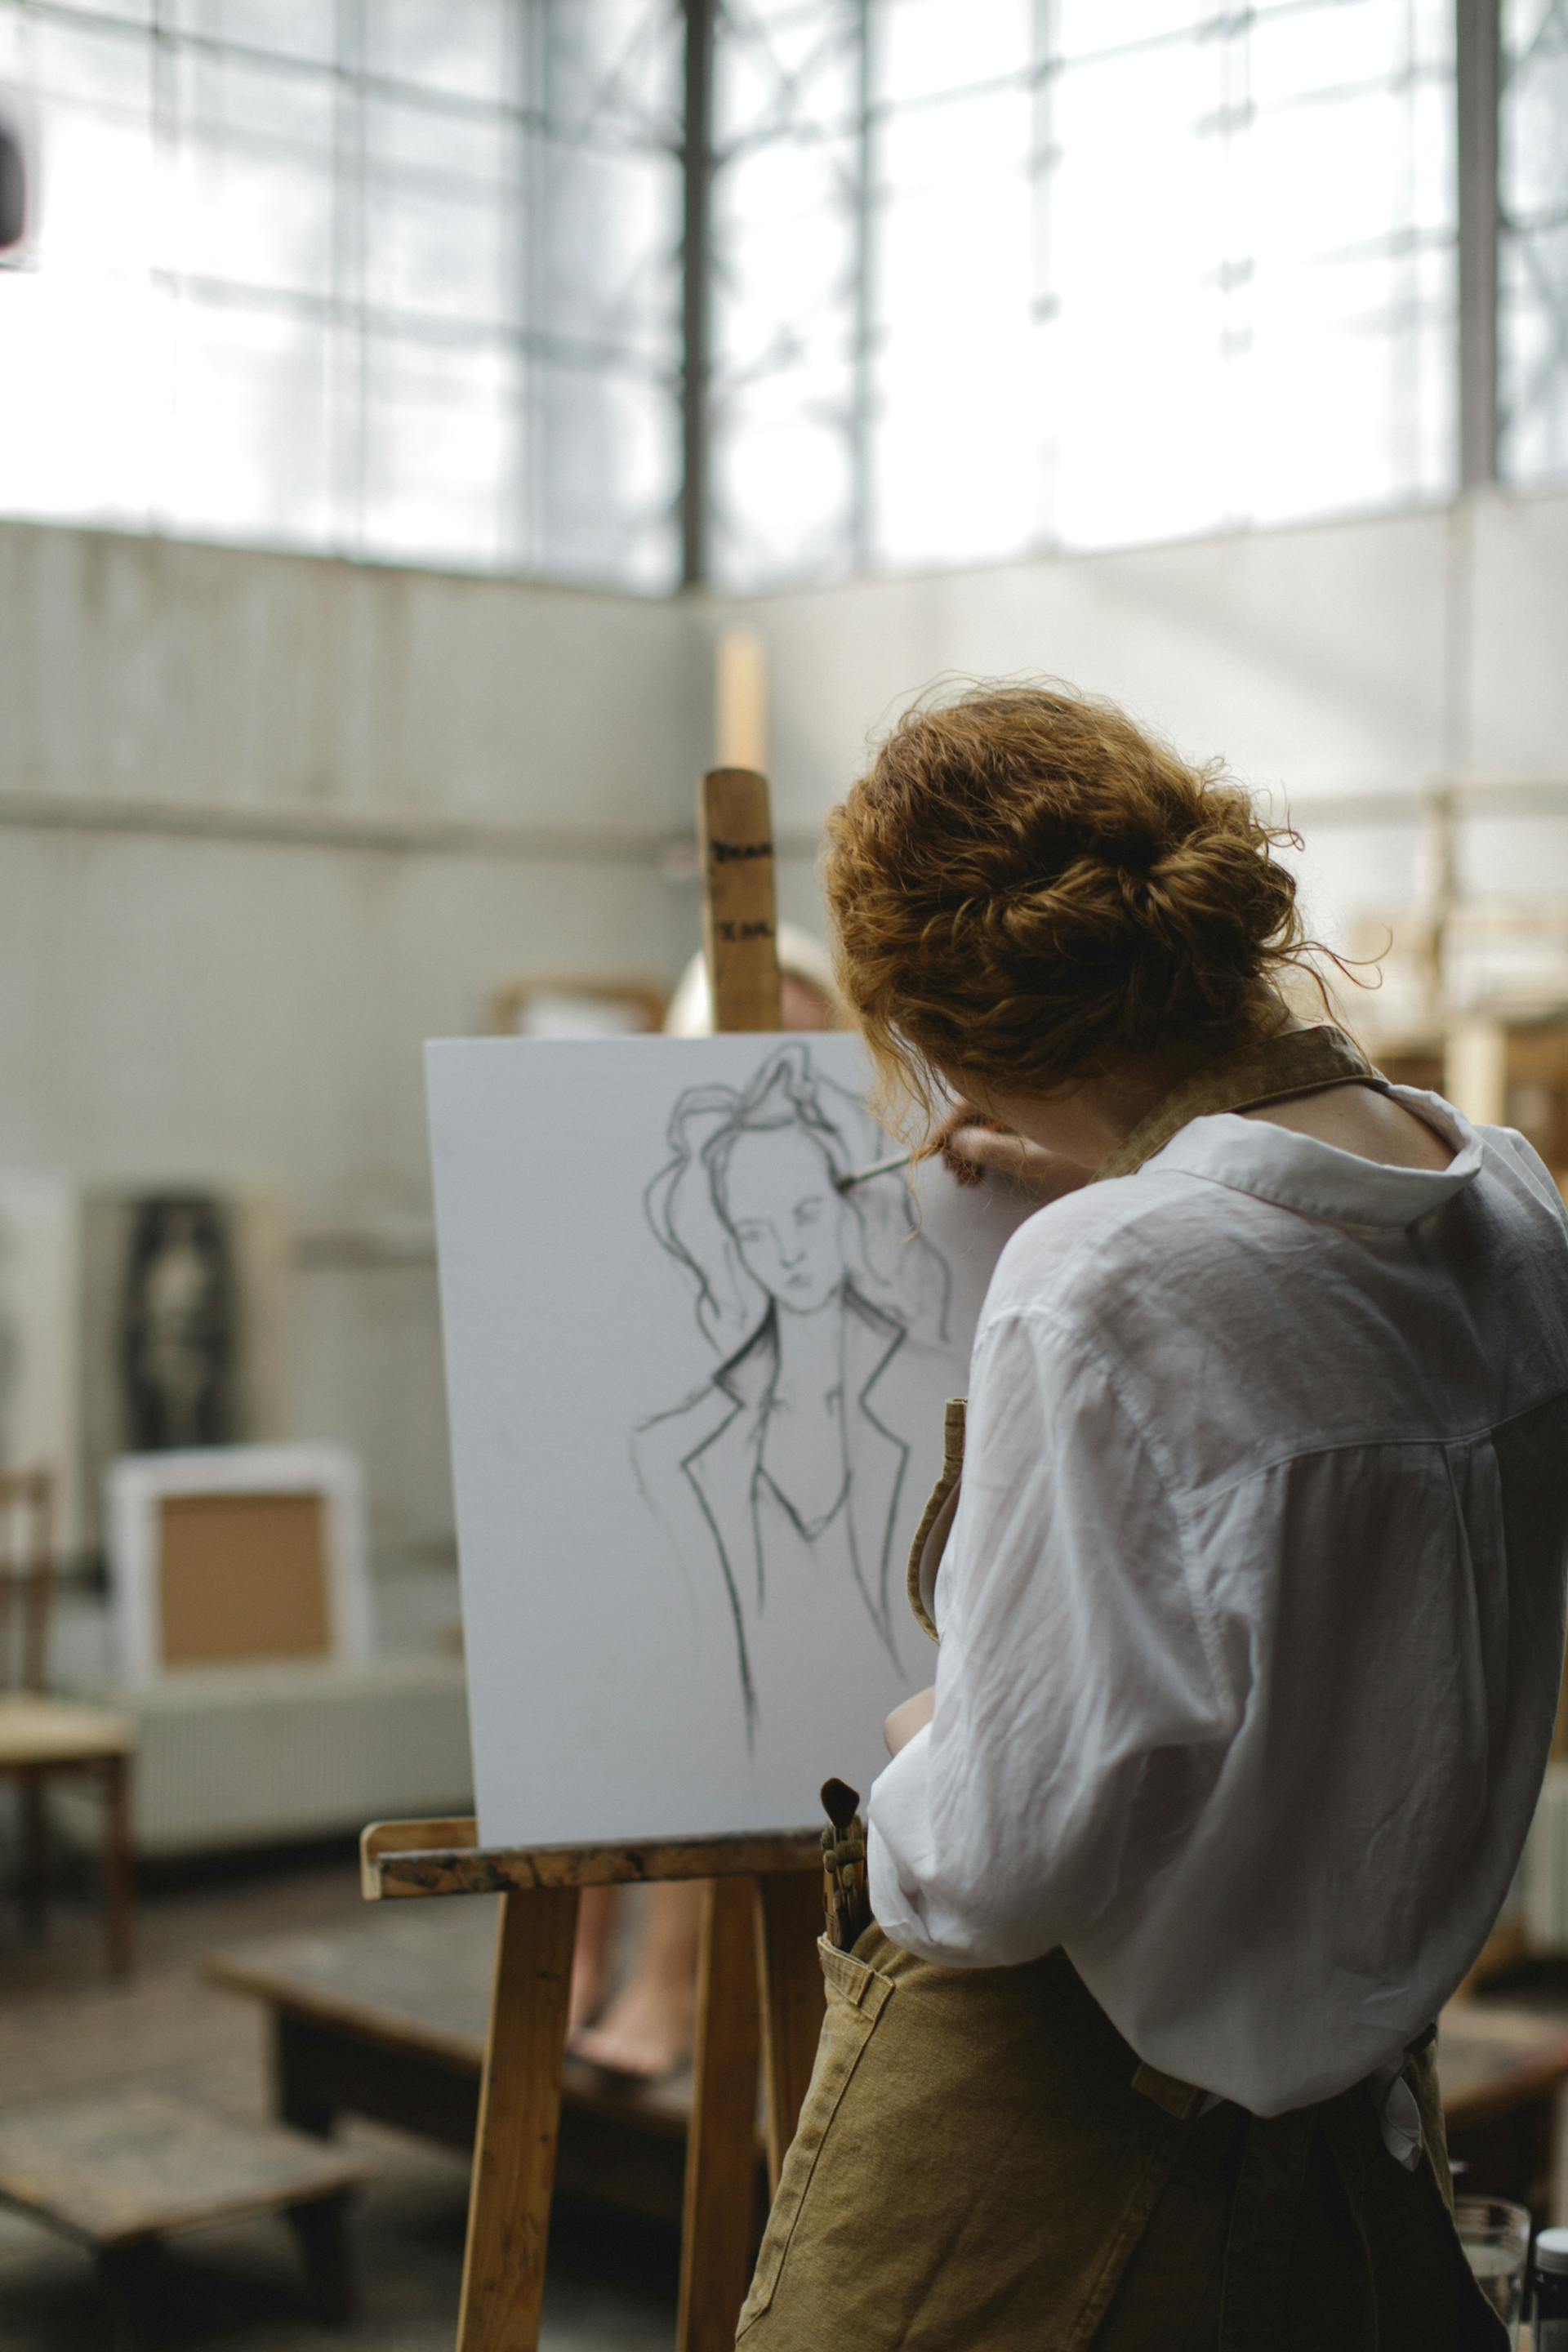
x=784 y=1460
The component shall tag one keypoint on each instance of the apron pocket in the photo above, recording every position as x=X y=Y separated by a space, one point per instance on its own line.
x=857 y=1995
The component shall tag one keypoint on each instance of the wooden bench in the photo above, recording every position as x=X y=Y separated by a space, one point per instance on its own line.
x=122 y=2172
x=388 y=2019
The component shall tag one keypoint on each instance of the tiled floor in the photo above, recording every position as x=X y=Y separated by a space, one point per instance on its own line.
x=65 y=2031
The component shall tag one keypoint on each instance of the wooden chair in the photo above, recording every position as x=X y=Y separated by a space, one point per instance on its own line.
x=43 y=1737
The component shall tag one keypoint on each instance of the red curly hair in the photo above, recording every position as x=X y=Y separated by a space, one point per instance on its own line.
x=1026 y=887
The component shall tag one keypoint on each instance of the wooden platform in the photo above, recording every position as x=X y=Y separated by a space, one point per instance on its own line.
x=388 y=2019
x=138 y=2164
x=121 y=2171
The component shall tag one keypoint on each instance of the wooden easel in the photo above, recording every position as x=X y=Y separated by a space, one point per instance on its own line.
x=759 y=1989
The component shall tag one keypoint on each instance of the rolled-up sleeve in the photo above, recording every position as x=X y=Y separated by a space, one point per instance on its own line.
x=1076 y=1689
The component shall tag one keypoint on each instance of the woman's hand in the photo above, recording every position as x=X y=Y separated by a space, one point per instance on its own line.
x=973 y=1147
x=905 y=1720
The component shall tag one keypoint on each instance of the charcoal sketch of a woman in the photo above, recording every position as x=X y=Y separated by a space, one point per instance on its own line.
x=788 y=1464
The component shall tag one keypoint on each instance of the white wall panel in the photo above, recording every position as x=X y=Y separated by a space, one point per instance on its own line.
x=178 y=1006
x=1518 y=668
x=1309 y=659
x=144 y=666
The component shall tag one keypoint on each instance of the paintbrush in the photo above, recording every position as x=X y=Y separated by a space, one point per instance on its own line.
x=843 y=1866
x=901 y=1160
x=878 y=1168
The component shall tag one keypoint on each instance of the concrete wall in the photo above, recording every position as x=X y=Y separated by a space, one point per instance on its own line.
x=267 y=823
x=1350 y=660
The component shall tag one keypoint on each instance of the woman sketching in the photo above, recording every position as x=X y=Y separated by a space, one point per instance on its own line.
x=1249 y=1588
x=787 y=1464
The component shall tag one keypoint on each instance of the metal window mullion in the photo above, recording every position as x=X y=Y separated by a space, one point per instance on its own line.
x=862 y=394
x=1044 y=49
x=165 y=128
x=346 y=356
x=1236 y=503
x=696 y=321
x=532 y=93
x=1478 y=83
x=1402 y=454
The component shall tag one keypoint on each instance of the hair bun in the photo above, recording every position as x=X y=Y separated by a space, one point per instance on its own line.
x=1026 y=885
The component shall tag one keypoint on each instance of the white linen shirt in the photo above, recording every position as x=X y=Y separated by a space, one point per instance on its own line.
x=1252 y=1606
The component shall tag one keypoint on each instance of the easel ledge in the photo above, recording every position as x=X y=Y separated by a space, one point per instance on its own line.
x=413 y=1858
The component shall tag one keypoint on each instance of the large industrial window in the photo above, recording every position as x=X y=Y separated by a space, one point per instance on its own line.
x=397 y=277
x=1532 y=309
x=1013 y=274
x=403 y=278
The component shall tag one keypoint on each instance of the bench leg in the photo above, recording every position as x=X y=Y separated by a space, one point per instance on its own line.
x=321 y=2229
x=296 y=2099
x=119 y=1869
x=128 y=2276
x=34 y=1855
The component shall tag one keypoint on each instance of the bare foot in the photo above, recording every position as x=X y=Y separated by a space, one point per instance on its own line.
x=646 y=2033
x=591 y=1955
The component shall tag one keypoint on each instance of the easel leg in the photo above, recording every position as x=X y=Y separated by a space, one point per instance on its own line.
x=520 y=2121
x=791 y=1997
x=722 y=2152
x=295 y=2099
x=128 y=2275
x=119 y=1869
x=34 y=1855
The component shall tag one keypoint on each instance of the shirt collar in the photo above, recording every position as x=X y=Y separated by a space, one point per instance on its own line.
x=1317 y=1180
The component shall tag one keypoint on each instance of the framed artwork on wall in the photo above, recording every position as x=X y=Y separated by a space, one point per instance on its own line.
x=185 y=1300
x=231 y=1556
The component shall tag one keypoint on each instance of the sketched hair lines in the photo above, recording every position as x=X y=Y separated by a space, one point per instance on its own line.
x=806 y=1295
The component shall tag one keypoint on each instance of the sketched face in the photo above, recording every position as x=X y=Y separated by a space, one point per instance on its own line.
x=786 y=1217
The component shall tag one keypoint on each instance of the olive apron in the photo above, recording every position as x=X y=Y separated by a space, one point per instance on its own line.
x=984 y=2165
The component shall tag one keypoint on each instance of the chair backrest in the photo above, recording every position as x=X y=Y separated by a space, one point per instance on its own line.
x=27 y=1578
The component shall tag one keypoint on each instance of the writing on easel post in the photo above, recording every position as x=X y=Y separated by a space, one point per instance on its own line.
x=738 y=910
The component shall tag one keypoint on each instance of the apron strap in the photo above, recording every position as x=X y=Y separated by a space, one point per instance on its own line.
x=1270 y=1070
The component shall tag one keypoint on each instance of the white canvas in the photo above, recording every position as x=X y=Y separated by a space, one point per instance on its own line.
x=696 y=1397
